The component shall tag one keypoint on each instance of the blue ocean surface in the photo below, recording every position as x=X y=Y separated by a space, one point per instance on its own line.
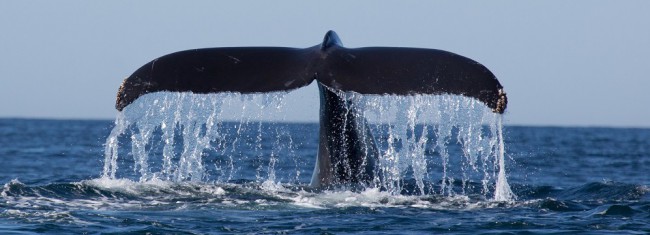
x=55 y=179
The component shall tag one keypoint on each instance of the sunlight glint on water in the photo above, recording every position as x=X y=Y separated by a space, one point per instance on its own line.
x=414 y=134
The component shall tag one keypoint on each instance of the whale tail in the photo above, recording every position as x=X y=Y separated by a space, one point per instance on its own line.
x=369 y=70
x=347 y=151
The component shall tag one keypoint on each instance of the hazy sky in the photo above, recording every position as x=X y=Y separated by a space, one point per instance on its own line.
x=561 y=62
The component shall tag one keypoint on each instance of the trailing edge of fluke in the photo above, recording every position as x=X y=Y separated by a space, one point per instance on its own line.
x=369 y=70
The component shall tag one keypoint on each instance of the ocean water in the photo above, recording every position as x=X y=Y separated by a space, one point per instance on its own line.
x=252 y=177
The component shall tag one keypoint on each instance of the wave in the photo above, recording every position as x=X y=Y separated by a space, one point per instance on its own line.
x=108 y=204
x=125 y=194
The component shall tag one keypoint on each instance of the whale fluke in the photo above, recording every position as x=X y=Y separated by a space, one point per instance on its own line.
x=347 y=151
x=236 y=69
x=370 y=70
x=410 y=71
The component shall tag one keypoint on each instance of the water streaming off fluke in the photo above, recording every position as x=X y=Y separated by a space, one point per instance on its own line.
x=428 y=144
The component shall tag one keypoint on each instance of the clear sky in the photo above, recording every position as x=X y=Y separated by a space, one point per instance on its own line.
x=568 y=63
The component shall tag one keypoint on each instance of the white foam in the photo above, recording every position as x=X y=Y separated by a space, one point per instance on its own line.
x=155 y=195
x=128 y=186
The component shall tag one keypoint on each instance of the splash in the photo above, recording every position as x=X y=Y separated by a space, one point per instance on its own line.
x=424 y=137
x=428 y=144
x=172 y=134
